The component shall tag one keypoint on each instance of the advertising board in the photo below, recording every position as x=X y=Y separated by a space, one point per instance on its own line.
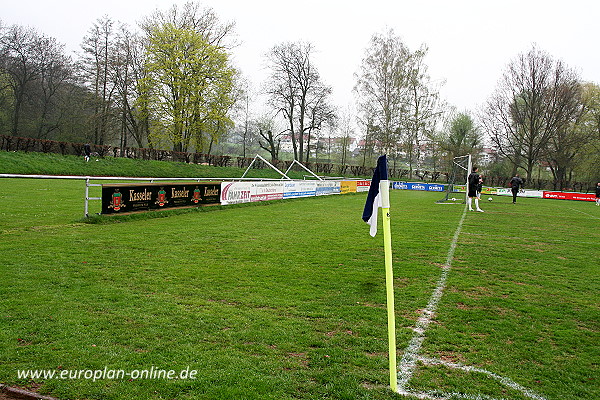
x=430 y=187
x=299 y=189
x=134 y=197
x=348 y=187
x=328 y=187
x=363 y=186
x=522 y=193
x=569 y=196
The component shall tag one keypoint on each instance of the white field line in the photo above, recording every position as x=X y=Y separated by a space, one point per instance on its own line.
x=409 y=359
x=503 y=380
x=411 y=355
x=589 y=215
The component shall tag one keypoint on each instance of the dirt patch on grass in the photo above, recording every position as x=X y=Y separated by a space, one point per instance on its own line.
x=29 y=393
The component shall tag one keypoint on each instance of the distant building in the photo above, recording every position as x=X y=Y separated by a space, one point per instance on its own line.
x=487 y=156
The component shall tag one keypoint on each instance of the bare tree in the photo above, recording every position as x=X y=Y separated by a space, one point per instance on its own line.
x=296 y=90
x=347 y=133
x=320 y=113
x=97 y=66
x=268 y=140
x=566 y=147
x=246 y=126
x=125 y=50
x=18 y=49
x=55 y=72
x=424 y=108
x=33 y=70
x=536 y=98
x=396 y=94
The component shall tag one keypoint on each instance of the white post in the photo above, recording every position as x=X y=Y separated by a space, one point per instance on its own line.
x=87 y=195
x=469 y=170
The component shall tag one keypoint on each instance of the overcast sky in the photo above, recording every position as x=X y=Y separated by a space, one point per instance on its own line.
x=470 y=41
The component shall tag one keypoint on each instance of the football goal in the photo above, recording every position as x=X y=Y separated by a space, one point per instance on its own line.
x=461 y=168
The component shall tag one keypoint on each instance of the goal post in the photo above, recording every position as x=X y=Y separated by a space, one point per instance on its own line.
x=461 y=168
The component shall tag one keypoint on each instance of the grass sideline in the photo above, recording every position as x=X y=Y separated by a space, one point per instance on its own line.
x=288 y=301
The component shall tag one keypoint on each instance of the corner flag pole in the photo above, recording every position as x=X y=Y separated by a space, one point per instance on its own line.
x=379 y=196
x=384 y=189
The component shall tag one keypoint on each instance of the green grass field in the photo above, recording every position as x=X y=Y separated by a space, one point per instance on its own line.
x=286 y=300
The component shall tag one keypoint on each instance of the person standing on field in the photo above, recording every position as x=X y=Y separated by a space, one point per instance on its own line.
x=598 y=194
x=515 y=184
x=87 y=150
x=473 y=183
x=480 y=187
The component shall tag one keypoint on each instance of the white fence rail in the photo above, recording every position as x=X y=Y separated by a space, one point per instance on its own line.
x=87 y=180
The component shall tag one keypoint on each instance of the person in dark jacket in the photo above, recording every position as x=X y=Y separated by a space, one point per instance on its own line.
x=473 y=183
x=480 y=187
x=598 y=194
x=87 y=150
x=515 y=184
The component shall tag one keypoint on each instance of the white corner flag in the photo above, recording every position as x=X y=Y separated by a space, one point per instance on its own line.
x=374 y=198
x=379 y=196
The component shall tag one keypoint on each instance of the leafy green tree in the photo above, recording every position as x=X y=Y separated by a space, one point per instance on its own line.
x=188 y=88
x=462 y=137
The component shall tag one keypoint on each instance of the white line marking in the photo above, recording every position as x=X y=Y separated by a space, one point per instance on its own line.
x=503 y=380
x=411 y=355
x=589 y=215
x=409 y=359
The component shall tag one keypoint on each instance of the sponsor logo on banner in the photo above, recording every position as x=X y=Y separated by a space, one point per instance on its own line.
x=363 y=186
x=145 y=197
x=263 y=191
x=117 y=201
x=435 y=187
x=570 y=196
x=430 y=187
x=299 y=189
x=162 y=197
x=522 y=193
x=328 y=187
x=399 y=185
x=348 y=187
x=235 y=192
x=488 y=190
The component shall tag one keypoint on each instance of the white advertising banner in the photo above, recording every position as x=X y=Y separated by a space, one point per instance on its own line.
x=363 y=186
x=328 y=187
x=522 y=193
x=299 y=189
x=236 y=192
x=262 y=191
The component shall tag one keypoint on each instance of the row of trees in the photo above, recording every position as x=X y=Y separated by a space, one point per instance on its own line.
x=542 y=113
x=171 y=85
x=541 y=116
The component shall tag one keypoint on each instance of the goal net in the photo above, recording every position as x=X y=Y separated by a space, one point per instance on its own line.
x=457 y=179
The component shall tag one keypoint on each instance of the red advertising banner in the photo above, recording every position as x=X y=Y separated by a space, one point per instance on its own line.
x=569 y=196
x=363 y=186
